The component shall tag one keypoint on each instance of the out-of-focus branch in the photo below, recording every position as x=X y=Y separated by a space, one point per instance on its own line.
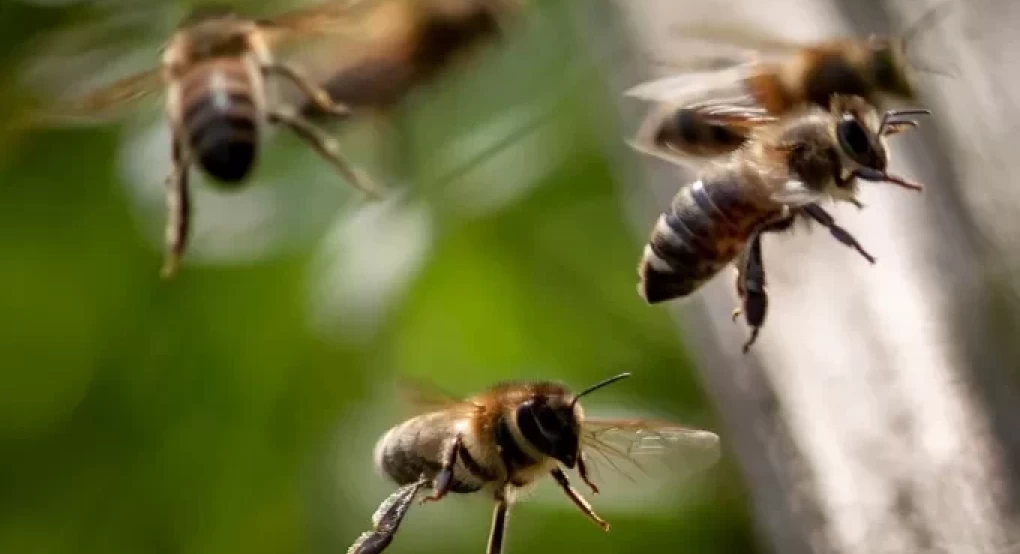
x=853 y=418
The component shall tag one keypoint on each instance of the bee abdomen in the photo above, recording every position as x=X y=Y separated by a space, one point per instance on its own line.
x=221 y=119
x=415 y=448
x=703 y=230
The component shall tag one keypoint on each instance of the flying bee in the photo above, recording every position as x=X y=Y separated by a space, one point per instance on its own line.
x=779 y=175
x=507 y=438
x=216 y=72
x=692 y=118
x=405 y=43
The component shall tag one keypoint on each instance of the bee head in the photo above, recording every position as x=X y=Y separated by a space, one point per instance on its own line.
x=857 y=134
x=552 y=422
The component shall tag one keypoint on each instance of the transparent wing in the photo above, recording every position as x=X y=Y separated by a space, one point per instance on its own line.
x=421 y=396
x=77 y=72
x=754 y=38
x=105 y=102
x=339 y=18
x=723 y=85
x=635 y=448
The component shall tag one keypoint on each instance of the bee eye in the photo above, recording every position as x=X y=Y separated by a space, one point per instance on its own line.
x=550 y=422
x=854 y=140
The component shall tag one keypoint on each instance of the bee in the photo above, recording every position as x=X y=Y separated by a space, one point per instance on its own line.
x=216 y=71
x=508 y=437
x=405 y=43
x=700 y=115
x=779 y=176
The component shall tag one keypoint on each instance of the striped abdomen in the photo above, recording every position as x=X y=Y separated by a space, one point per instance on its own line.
x=416 y=447
x=705 y=227
x=220 y=114
x=491 y=451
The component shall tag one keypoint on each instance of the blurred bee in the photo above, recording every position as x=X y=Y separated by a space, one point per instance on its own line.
x=785 y=168
x=404 y=43
x=402 y=46
x=508 y=437
x=711 y=113
x=215 y=71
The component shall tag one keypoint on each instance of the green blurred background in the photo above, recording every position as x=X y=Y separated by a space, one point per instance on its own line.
x=234 y=408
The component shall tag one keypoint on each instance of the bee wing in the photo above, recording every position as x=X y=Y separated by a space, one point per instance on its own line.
x=106 y=102
x=752 y=38
x=633 y=447
x=723 y=85
x=340 y=18
x=421 y=396
x=76 y=74
x=740 y=118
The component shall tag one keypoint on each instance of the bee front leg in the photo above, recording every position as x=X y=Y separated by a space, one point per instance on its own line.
x=178 y=203
x=819 y=214
x=579 y=501
x=318 y=95
x=582 y=469
x=444 y=479
x=386 y=520
x=326 y=146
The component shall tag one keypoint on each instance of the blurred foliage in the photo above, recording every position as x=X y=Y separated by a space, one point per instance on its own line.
x=197 y=415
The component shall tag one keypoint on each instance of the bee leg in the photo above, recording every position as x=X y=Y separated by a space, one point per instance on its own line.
x=498 y=525
x=582 y=469
x=744 y=258
x=444 y=478
x=819 y=214
x=386 y=520
x=318 y=95
x=564 y=483
x=756 y=300
x=326 y=146
x=178 y=201
x=738 y=283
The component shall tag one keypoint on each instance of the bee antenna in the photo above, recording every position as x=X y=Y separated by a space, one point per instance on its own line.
x=599 y=385
x=927 y=21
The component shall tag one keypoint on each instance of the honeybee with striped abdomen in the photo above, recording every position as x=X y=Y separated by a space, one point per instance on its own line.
x=692 y=115
x=215 y=71
x=507 y=438
x=780 y=175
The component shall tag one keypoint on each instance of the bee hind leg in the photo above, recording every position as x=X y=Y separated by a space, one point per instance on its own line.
x=444 y=479
x=178 y=200
x=579 y=501
x=745 y=257
x=326 y=146
x=824 y=218
x=387 y=520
